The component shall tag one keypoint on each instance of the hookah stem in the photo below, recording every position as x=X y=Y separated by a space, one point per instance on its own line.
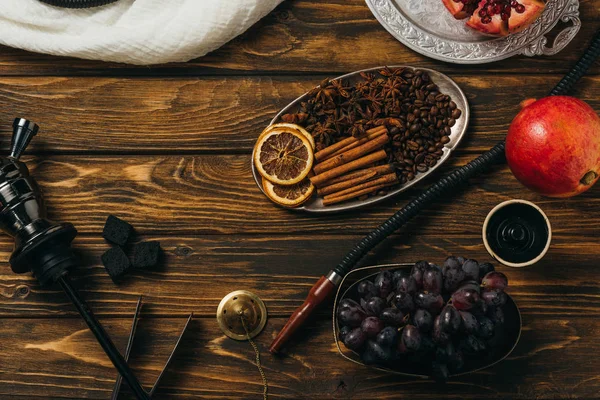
x=103 y=338
x=321 y=290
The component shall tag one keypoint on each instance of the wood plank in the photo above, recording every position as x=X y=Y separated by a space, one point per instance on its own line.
x=305 y=36
x=43 y=358
x=199 y=271
x=188 y=195
x=166 y=116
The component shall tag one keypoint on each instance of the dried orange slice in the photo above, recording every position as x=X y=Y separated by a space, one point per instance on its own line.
x=284 y=126
x=290 y=195
x=284 y=157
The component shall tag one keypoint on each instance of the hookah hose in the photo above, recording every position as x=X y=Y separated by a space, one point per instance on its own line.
x=77 y=3
x=321 y=290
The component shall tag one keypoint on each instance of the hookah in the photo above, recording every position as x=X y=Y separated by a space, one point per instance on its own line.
x=327 y=283
x=43 y=247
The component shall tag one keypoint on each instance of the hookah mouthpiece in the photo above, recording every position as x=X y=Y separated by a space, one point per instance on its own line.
x=23 y=131
x=41 y=246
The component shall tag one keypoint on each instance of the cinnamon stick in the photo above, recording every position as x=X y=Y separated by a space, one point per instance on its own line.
x=356 y=194
x=319 y=179
x=352 y=154
x=363 y=175
x=357 y=143
x=389 y=178
x=321 y=155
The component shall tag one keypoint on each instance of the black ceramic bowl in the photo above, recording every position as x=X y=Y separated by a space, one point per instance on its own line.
x=512 y=331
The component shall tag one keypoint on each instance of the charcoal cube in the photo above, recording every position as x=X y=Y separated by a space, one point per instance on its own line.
x=116 y=230
x=116 y=262
x=146 y=254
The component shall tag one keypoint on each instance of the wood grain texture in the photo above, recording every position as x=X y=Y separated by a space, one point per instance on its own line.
x=216 y=194
x=309 y=36
x=198 y=272
x=168 y=149
x=44 y=358
x=225 y=115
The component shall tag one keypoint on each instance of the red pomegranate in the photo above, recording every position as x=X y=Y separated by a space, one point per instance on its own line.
x=496 y=17
x=553 y=146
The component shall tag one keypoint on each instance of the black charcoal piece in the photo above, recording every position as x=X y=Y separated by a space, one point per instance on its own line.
x=145 y=254
x=116 y=230
x=116 y=262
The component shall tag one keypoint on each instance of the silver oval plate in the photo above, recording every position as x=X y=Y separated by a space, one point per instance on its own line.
x=428 y=28
x=446 y=85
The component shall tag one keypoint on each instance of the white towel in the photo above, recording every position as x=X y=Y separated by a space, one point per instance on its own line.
x=130 y=31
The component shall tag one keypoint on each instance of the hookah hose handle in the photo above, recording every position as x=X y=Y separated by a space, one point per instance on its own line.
x=103 y=338
x=457 y=177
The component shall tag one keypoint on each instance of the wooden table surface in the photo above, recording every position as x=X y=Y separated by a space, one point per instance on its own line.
x=168 y=147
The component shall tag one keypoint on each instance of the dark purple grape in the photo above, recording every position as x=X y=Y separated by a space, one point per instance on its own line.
x=345 y=330
x=469 y=323
x=451 y=262
x=439 y=372
x=484 y=268
x=494 y=280
x=427 y=345
x=355 y=339
x=456 y=362
x=471 y=269
x=453 y=276
x=472 y=345
x=374 y=306
x=392 y=317
x=480 y=309
x=404 y=302
x=433 y=279
x=486 y=328
x=371 y=326
x=351 y=316
x=375 y=353
x=494 y=298
x=496 y=315
x=450 y=319
x=418 y=270
x=444 y=352
x=406 y=284
x=423 y=320
x=384 y=283
x=438 y=335
x=460 y=259
x=387 y=337
x=464 y=299
x=366 y=289
x=470 y=285
x=347 y=303
x=410 y=340
x=432 y=302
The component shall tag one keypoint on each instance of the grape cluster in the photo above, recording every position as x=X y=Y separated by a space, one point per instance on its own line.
x=435 y=317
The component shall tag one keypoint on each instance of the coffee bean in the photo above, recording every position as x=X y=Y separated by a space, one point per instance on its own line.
x=444 y=139
x=422 y=168
x=451 y=122
x=414 y=128
x=452 y=105
x=410 y=176
x=456 y=113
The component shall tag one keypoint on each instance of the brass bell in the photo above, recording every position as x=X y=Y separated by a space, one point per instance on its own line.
x=238 y=306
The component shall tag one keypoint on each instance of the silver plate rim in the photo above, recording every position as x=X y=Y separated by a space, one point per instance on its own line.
x=456 y=136
x=530 y=42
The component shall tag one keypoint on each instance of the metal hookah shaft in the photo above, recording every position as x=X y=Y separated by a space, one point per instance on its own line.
x=43 y=247
x=326 y=285
x=107 y=345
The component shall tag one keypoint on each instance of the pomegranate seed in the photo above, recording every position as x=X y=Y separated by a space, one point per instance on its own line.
x=520 y=8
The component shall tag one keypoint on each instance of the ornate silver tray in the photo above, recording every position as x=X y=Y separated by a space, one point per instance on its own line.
x=428 y=28
x=446 y=85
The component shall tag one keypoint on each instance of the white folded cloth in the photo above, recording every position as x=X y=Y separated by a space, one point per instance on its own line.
x=130 y=31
